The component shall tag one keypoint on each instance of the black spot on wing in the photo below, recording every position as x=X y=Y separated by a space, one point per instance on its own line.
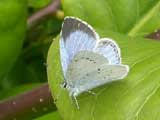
x=86 y=58
x=76 y=60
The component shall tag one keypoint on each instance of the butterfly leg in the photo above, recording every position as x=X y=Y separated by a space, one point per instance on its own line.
x=76 y=101
x=73 y=97
x=57 y=97
x=91 y=92
x=63 y=86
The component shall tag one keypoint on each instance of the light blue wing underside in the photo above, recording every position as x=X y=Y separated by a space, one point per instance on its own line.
x=88 y=61
x=89 y=70
x=75 y=36
x=109 y=49
x=84 y=62
x=100 y=75
x=64 y=57
x=108 y=73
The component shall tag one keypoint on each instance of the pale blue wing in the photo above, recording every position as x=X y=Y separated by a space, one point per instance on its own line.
x=98 y=76
x=109 y=49
x=64 y=57
x=82 y=63
x=89 y=70
x=76 y=35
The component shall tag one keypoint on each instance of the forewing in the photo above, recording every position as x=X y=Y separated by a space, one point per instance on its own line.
x=64 y=57
x=109 y=49
x=76 y=35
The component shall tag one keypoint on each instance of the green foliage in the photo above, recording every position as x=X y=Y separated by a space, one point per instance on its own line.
x=137 y=96
x=30 y=67
x=132 y=17
x=22 y=73
x=116 y=101
x=23 y=68
x=151 y=110
x=12 y=31
x=38 y=3
x=50 y=116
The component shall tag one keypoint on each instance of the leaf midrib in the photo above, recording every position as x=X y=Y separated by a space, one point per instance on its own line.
x=146 y=100
x=147 y=97
x=143 y=20
x=151 y=93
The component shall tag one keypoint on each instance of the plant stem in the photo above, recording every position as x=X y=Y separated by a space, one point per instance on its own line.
x=28 y=105
x=43 y=13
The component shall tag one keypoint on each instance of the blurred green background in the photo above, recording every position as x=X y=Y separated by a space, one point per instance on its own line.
x=28 y=65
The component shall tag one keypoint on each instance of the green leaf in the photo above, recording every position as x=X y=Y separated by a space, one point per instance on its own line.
x=50 y=116
x=119 y=100
x=132 y=17
x=25 y=71
x=151 y=108
x=138 y=94
x=38 y=3
x=12 y=31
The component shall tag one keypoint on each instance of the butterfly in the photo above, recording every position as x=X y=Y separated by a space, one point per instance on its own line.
x=87 y=60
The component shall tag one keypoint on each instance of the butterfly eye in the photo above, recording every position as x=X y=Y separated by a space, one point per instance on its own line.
x=64 y=84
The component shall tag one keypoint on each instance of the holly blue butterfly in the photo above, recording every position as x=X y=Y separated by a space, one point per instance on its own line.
x=88 y=61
